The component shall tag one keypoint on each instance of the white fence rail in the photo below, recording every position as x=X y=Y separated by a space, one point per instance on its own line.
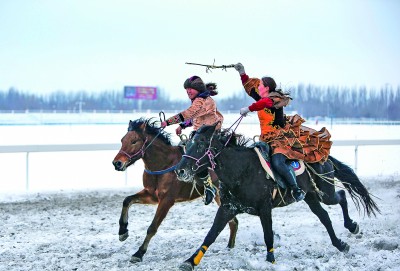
x=105 y=147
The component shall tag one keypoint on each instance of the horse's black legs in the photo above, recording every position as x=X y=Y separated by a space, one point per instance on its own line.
x=162 y=209
x=349 y=224
x=223 y=216
x=266 y=222
x=331 y=197
x=323 y=216
x=233 y=226
x=142 y=197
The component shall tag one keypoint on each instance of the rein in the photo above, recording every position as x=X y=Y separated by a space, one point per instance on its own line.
x=209 y=151
x=160 y=172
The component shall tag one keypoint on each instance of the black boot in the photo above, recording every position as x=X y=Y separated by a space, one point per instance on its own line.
x=209 y=190
x=278 y=162
x=297 y=193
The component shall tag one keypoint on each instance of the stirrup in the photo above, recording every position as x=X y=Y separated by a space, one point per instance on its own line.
x=298 y=194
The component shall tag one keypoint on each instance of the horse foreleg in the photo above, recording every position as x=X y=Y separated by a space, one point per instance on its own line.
x=221 y=219
x=233 y=226
x=323 y=216
x=266 y=222
x=142 y=197
x=163 y=207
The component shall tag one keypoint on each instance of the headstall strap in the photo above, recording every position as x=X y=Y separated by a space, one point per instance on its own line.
x=141 y=151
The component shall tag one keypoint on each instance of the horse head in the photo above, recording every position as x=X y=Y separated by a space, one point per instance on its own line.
x=140 y=136
x=201 y=149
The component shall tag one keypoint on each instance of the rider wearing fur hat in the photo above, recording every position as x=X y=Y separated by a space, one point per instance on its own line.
x=202 y=111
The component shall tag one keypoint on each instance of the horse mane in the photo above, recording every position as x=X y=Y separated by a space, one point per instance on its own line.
x=151 y=128
x=235 y=140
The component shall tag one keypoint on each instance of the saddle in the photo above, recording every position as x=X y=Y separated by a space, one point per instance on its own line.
x=263 y=151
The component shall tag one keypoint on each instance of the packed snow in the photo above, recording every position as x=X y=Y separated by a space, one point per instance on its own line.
x=78 y=230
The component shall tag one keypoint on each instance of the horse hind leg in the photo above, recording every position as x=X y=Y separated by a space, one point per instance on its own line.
x=349 y=224
x=142 y=197
x=340 y=197
x=323 y=216
x=332 y=197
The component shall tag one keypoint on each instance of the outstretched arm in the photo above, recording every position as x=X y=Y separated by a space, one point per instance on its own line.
x=250 y=84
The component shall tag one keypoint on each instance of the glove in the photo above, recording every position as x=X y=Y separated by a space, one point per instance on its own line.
x=244 y=111
x=178 y=130
x=239 y=67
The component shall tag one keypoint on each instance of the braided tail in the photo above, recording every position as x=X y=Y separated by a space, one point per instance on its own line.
x=358 y=192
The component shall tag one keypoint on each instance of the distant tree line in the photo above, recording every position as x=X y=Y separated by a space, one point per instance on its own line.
x=308 y=101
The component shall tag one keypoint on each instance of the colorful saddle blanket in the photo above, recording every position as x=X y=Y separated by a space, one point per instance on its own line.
x=262 y=150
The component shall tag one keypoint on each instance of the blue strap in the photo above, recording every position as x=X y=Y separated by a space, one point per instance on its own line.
x=160 y=172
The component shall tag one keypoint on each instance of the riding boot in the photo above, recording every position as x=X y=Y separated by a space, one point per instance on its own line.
x=278 y=162
x=209 y=190
x=297 y=193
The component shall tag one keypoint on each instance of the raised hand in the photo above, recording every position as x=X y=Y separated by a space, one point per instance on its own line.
x=240 y=68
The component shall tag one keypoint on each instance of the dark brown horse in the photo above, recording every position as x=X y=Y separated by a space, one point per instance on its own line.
x=144 y=140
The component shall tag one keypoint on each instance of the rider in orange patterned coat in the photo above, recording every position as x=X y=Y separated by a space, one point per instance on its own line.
x=288 y=138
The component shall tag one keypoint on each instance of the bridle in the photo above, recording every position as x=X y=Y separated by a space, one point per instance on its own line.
x=141 y=151
x=144 y=147
x=211 y=152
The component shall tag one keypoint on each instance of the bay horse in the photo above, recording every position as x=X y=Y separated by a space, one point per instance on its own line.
x=245 y=187
x=144 y=140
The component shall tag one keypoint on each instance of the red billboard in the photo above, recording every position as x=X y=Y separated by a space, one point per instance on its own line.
x=136 y=92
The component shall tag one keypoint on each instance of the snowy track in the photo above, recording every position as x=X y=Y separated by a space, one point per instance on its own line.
x=78 y=231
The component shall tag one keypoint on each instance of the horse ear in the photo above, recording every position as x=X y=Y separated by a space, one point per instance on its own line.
x=130 y=125
x=143 y=126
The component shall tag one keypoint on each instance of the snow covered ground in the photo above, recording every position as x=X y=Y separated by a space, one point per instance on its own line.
x=79 y=231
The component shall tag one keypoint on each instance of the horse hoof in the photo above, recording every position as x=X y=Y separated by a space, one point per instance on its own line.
x=344 y=247
x=135 y=259
x=186 y=266
x=356 y=230
x=271 y=257
x=124 y=236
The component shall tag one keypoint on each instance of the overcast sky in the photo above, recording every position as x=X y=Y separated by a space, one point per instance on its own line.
x=97 y=45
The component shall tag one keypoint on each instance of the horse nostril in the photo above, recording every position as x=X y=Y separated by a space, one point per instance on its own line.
x=180 y=172
x=117 y=164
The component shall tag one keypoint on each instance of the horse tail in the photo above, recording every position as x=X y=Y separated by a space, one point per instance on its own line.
x=358 y=192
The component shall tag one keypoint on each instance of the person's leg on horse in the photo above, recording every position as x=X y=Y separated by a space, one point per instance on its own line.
x=209 y=189
x=278 y=163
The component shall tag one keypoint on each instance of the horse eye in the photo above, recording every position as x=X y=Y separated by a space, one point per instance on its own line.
x=133 y=142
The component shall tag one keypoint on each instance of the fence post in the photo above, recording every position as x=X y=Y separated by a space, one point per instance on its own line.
x=27 y=172
x=355 y=157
